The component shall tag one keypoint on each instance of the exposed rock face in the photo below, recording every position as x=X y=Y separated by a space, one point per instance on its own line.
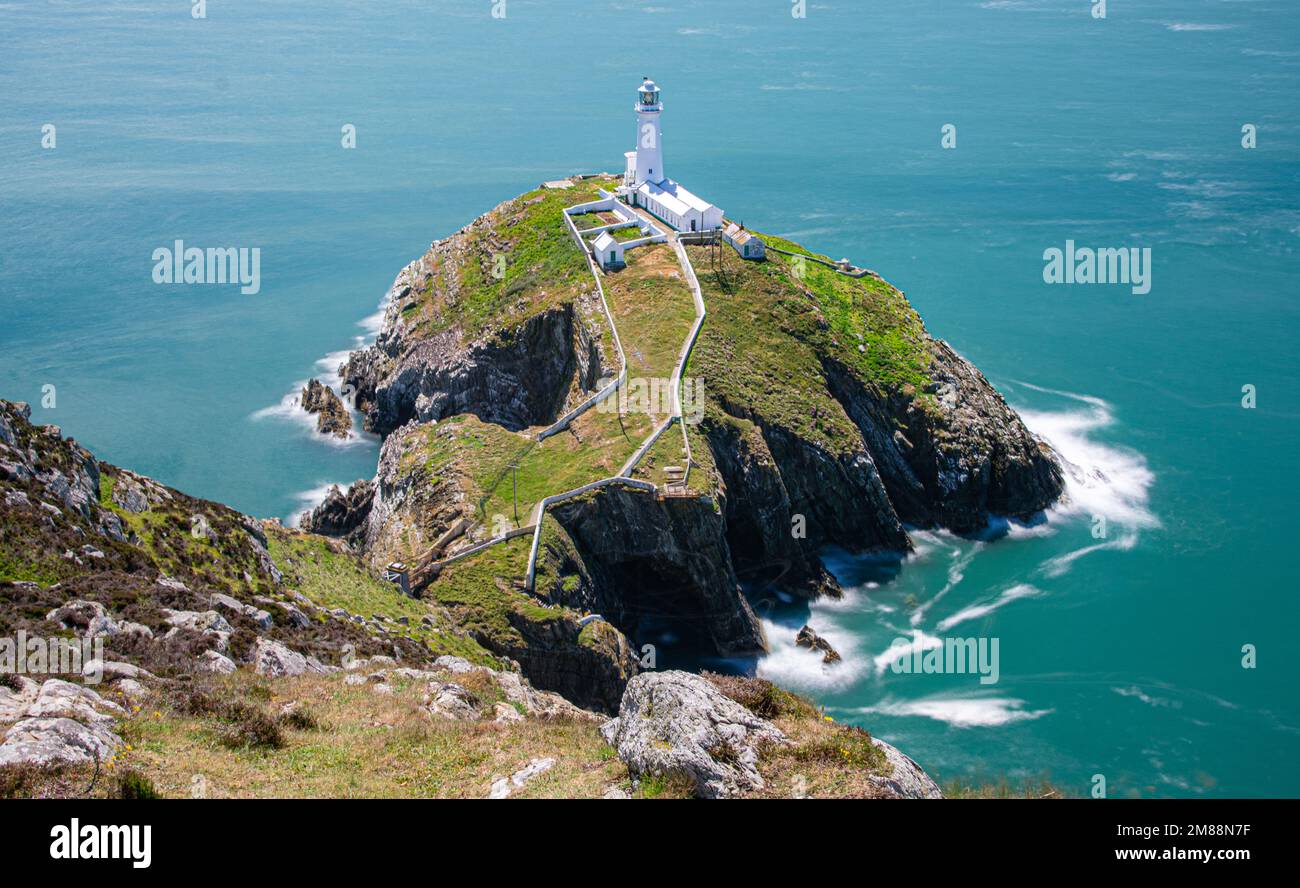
x=504 y=786
x=645 y=557
x=343 y=513
x=515 y=377
x=61 y=722
x=810 y=639
x=908 y=780
x=956 y=465
x=516 y=374
x=272 y=659
x=331 y=415
x=679 y=724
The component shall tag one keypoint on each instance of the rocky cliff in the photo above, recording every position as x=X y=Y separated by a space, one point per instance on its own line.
x=830 y=415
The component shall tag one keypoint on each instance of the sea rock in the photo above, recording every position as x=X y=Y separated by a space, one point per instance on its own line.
x=341 y=513
x=331 y=415
x=677 y=723
x=810 y=639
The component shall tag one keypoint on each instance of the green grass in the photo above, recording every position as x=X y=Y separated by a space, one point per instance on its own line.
x=480 y=592
x=332 y=579
x=542 y=267
x=769 y=330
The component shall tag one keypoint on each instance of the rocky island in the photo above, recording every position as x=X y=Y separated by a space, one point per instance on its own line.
x=545 y=519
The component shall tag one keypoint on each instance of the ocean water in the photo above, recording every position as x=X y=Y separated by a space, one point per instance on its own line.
x=1119 y=656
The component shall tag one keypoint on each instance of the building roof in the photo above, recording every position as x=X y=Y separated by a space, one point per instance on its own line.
x=738 y=235
x=675 y=197
x=604 y=241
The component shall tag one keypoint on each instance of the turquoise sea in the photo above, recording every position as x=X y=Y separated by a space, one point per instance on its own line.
x=1119 y=656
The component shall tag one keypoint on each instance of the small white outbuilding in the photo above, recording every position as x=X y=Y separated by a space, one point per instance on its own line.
x=744 y=242
x=608 y=251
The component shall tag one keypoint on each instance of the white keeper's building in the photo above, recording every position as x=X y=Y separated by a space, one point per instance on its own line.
x=646 y=183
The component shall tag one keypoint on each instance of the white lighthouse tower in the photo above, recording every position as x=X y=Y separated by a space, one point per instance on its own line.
x=649 y=138
x=646 y=183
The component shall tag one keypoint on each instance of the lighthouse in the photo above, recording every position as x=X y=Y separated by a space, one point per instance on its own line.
x=649 y=138
x=645 y=183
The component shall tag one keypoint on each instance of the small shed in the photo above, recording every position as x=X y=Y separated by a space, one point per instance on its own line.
x=744 y=243
x=608 y=251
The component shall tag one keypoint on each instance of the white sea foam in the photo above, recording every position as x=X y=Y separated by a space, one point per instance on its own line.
x=960 y=712
x=802 y=669
x=1196 y=26
x=975 y=611
x=1061 y=564
x=900 y=648
x=956 y=573
x=308 y=500
x=327 y=368
x=1100 y=479
x=289 y=409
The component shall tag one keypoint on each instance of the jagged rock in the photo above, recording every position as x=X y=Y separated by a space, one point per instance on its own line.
x=172 y=583
x=60 y=699
x=676 y=723
x=129 y=628
x=506 y=714
x=450 y=700
x=257 y=615
x=131 y=689
x=518 y=375
x=908 y=780
x=542 y=704
x=44 y=741
x=200 y=621
x=272 y=659
x=342 y=514
x=331 y=415
x=129 y=495
x=113 y=669
x=14 y=702
x=215 y=663
x=456 y=665
x=810 y=639
x=502 y=787
x=293 y=615
x=79 y=615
